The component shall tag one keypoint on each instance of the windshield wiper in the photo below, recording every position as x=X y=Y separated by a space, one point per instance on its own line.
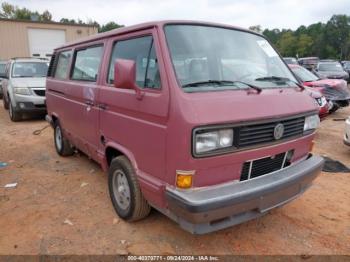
x=222 y=82
x=280 y=79
x=273 y=78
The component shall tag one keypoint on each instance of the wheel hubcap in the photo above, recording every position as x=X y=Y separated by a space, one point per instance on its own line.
x=58 y=138
x=121 y=189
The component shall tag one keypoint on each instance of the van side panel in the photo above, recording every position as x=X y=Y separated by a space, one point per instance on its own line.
x=77 y=110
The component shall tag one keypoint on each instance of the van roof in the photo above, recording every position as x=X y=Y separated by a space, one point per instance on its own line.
x=143 y=26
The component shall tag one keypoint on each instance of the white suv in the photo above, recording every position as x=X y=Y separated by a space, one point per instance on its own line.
x=24 y=87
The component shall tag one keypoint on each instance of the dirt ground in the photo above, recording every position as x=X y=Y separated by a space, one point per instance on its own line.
x=62 y=206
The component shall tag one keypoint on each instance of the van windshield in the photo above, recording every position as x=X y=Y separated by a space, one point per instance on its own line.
x=29 y=69
x=219 y=59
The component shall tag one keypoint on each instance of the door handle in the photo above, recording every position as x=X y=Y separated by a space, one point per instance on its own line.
x=102 y=106
x=89 y=103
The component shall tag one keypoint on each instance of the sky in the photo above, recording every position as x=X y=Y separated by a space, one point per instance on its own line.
x=267 y=13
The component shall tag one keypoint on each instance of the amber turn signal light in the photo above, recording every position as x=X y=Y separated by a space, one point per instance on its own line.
x=184 y=179
x=311 y=145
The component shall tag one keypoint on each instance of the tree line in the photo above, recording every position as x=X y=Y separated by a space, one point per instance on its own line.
x=10 y=11
x=325 y=40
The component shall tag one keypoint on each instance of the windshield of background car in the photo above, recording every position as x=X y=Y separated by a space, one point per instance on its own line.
x=330 y=67
x=2 y=69
x=304 y=74
x=29 y=69
x=207 y=53
x=291 y=61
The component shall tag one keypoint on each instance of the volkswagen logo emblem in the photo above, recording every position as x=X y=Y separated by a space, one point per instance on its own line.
x=278 y=131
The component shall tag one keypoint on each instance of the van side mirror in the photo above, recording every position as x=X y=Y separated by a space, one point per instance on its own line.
x=125 y=76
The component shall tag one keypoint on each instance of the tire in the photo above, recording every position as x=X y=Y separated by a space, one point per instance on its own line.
x=123 y=185
x=62 y=144
x=15 y=116
x=334 y=108
x=5 y=102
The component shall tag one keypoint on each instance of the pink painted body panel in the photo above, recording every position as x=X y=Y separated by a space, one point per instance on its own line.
x=155 y=132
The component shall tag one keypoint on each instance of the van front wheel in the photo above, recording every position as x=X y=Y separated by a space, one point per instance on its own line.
x=62 y=145
x=125 y=191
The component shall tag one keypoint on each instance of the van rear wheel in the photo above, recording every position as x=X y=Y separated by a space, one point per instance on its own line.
x=62 y=145
x=125 y=191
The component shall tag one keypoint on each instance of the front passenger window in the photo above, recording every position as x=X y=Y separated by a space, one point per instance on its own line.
x=142 y=51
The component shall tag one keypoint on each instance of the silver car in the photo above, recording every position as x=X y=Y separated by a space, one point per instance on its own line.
x=24 y=87
x=2 y=75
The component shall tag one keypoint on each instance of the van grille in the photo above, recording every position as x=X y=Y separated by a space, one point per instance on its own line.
x=263 y=166
x=250 y=135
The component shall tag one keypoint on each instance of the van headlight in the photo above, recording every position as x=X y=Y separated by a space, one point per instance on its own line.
x=311 y=122
x=21 y=90
x=213 y=140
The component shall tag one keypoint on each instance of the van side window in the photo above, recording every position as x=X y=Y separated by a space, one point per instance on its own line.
x=62 y=64
x=142 y=51
x=86 y=63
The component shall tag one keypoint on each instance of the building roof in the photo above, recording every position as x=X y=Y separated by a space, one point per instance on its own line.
x=44 y=22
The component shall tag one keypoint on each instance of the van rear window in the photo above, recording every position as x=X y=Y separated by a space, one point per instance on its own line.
x=86 y=64
x=61 y=71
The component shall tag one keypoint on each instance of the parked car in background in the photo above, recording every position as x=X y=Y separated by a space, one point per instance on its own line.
x=182 y=125
x=346 y=138
x=346 y=66
x=320 y=101
x=291 y=60
x=2 y=75
x=331 y=70
x=24 y=87
x=335 y=90
x=309 y=63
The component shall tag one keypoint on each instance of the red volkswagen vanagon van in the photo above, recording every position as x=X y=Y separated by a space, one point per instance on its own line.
x=203 y=122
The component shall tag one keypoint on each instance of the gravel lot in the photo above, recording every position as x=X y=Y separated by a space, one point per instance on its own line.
x=62 y=206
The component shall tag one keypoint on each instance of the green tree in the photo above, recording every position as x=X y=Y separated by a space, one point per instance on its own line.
x=273 y=35
x=14 y=12
x=304 y=45
x=325 y=40
x=8 y=10
x=287 y=44
x=67 y=21
x=46 y=16
x=256 y=28
x=109 y=26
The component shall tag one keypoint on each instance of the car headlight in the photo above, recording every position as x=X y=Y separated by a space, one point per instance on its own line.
x=213 y=140
x=311 y=122
x=21 y=90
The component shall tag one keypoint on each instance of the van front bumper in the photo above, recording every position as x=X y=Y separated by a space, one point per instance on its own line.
x=212 y=208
